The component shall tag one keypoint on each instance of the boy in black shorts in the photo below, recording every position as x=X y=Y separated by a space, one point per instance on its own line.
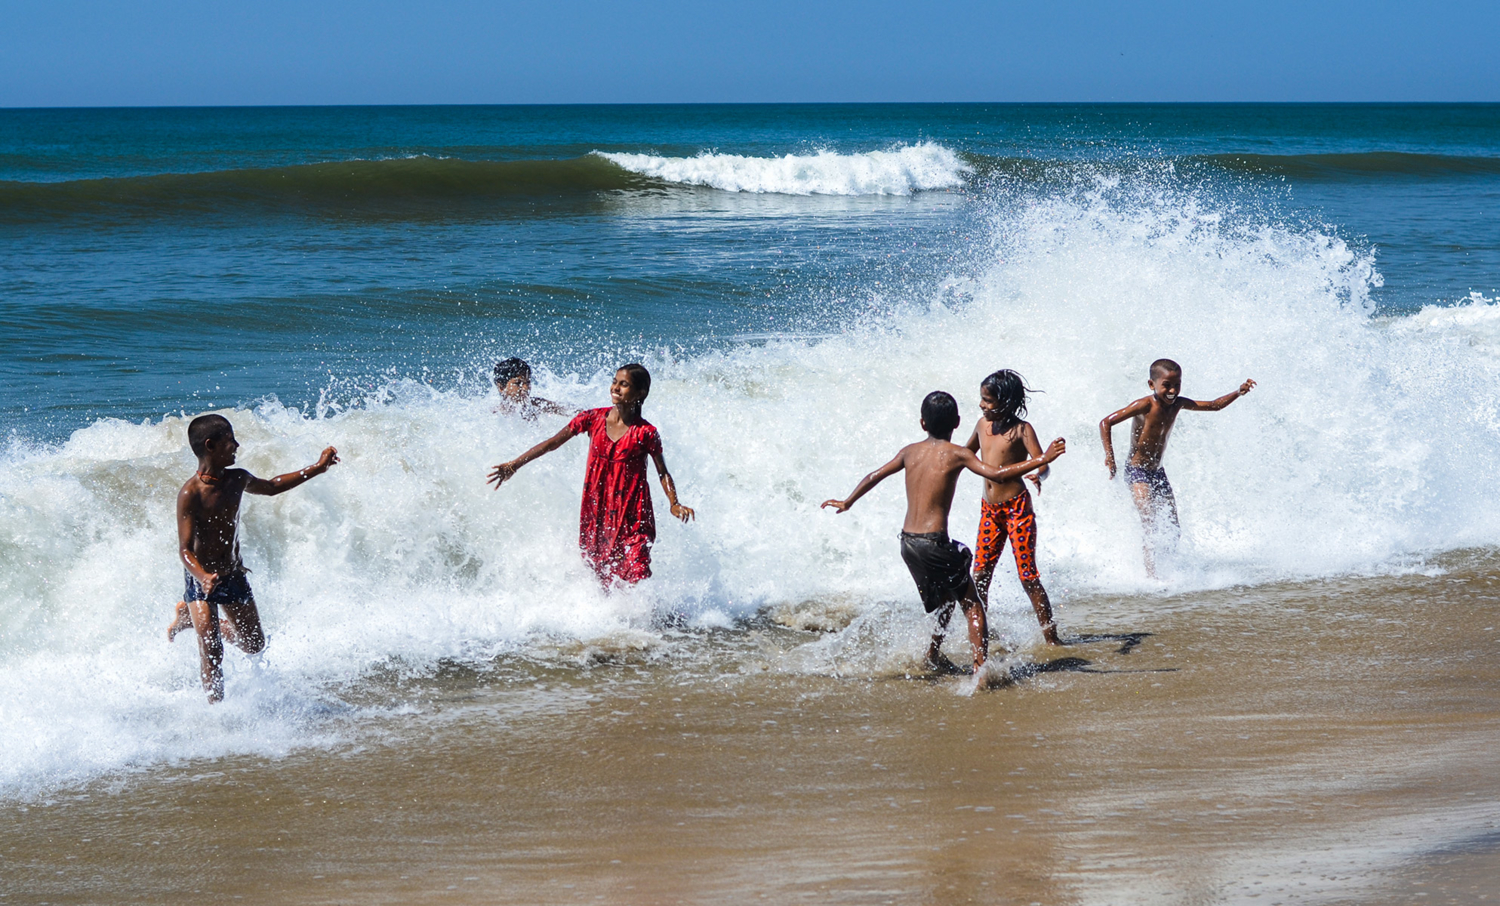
x=940 y=565
x=208 y=523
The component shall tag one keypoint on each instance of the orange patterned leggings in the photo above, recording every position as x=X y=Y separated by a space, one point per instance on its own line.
x=1013 y=519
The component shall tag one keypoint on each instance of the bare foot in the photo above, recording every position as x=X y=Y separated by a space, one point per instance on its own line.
x=939 y=664
x=181 y=620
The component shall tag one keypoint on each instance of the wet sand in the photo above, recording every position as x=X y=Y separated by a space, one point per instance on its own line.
x=1325 y=742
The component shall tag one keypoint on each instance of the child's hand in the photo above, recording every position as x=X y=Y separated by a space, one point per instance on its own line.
x=1037 y=476
x=501 y=473
x=209 y=583
x=838 y=505
x=1245 y=387
x=329 y=457
x=685 y=513
x=1055 y=449
x=1109 y=463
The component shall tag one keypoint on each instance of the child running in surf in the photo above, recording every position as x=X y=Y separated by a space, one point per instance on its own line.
x=1001 y=439
x=616 y=524
x=208 y=523
x=939 y=565
x=1153 y=417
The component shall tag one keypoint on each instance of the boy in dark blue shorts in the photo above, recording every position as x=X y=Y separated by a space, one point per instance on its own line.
x=939 y=565
x=1153 y=417
x=208 y=522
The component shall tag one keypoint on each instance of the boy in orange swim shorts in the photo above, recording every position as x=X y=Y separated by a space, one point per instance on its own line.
x=1002 y=438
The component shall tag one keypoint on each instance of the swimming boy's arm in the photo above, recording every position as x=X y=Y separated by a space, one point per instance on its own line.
x=669 y=487
x=870 y=481
x=552 y=408
x=501 y=473
x=270 y=487
x=1221 y=402
x=187 y=524
x=973 y=443
x=1138 y=407
x=980 y=467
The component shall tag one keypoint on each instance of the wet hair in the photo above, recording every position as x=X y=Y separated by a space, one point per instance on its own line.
x=1163 y=367
x=640 y=378
x=1009 y=389
x=510 y=369
x=940 y=413
x=205 y=428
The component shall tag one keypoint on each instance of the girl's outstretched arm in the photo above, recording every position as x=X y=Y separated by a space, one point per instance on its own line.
x=669 y=487
x=505 y=470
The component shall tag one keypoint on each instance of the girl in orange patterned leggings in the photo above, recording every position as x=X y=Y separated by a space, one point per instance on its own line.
x=1002 y=438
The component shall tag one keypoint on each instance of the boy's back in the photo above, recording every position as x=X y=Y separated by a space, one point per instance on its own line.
x=932 y=469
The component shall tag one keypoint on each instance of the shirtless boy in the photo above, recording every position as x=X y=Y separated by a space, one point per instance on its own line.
x=513 y=381
x=1002 y=438
x=1153 y=417
x=939 y=565
x=208 y=521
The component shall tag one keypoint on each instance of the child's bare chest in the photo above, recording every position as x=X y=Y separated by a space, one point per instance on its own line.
x=1003 y=449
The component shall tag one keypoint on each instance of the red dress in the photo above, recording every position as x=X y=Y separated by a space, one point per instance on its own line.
x=616 y=525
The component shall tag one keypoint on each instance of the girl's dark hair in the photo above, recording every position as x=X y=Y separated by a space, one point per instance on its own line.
x=1009 y=389
x=639 y=377
x=511 y=368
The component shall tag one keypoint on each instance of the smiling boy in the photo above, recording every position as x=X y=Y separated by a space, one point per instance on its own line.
x=1153 y=417
x=208 y=523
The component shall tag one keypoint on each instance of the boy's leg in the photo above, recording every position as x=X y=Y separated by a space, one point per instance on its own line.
x=181 y=619
x=242 y=622
x=935 y=650
x=1145 y=504
x=210 y=648
x=979 y=630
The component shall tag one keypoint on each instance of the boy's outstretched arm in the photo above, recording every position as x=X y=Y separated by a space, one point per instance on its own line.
x=1106 y=426
x=669 y=487
x=1221 y=402
x=868 y=482
x=980 y=467
x=270 y=487
x=501 y=473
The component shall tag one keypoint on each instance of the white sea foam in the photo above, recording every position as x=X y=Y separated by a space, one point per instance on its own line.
x=900 y=172
x=1370 y=442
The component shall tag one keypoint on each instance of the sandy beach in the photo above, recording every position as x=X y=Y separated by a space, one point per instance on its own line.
x=1320 y=742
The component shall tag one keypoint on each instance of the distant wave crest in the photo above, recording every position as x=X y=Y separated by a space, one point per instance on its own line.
x=903 y=171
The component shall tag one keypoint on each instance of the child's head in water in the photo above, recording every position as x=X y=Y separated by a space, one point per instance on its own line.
x=513 y=380
x=1002 y=398
x=631 y=386
x=940 y=415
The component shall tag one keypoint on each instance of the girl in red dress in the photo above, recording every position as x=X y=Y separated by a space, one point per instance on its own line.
x=616 y=525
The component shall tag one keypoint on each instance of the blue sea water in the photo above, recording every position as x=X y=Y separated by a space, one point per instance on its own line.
x=165 y=260
x=796 y=277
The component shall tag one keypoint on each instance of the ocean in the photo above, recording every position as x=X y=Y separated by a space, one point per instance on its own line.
x=1303 y=707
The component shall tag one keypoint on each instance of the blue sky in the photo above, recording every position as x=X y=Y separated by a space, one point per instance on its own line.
x=166 y=52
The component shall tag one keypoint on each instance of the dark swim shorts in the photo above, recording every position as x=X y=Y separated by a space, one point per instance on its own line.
x=231 y=589
x=1155 y=479
x=939 y=565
